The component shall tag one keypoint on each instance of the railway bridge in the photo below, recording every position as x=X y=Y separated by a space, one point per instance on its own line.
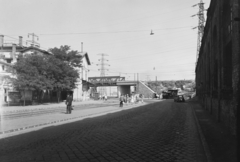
x=123 y=86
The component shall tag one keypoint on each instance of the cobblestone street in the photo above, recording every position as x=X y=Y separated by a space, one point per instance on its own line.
x=162 y=131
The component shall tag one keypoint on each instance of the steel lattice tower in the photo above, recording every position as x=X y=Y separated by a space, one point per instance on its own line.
x=33 y=42
x=103 y=69
x=201 y=21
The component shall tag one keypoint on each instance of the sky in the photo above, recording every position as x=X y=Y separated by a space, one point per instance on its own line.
x=119 y=29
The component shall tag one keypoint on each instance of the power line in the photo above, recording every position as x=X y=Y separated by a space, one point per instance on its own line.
x=145 y=55
x=145 y=17
x=110 y=32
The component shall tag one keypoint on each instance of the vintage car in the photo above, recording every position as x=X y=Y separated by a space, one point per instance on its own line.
x=179 y=98
x=170 y=94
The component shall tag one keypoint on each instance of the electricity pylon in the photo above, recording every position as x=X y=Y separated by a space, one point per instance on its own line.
x=201 y=21
x=103 y=69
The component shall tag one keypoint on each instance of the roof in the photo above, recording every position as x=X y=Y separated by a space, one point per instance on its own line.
x=37 y=49
x=85 y=54
x=9 y=48
x=5 y=63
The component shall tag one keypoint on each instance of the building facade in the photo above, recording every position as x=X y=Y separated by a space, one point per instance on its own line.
x=218 y=65
x=82 y=91
x=9 y=53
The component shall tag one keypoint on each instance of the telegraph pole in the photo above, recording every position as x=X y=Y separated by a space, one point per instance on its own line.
x=103 y=69
x=33 y=42
x=201 y=21
x=81 y=47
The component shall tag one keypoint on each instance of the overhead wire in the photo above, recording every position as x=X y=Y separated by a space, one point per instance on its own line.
x=134 y=19
x=110 y=32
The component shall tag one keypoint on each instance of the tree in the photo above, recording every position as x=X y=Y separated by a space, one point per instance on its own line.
x=63 y=75
x=44 y=72
x=31 y=72
x=65 y=54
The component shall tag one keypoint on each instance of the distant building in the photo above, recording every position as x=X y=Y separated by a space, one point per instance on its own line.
x=218 y=66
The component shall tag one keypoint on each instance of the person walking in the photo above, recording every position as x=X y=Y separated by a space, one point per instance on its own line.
x=121 y=100
x=127 y=98
x=132 y=99
x=69 y=104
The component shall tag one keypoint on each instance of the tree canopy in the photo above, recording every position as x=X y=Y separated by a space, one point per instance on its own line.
x=65 y=54
x=42 y=72
x=159 y=86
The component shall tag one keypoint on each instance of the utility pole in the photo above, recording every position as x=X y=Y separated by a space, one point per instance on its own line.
x=33 y=42
x=137 y=83
x=201 y=21
x=81 y=47
x=103 y=69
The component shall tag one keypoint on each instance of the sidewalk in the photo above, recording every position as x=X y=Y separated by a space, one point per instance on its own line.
x=220 y=143
x=22 y=125
x=9 y=109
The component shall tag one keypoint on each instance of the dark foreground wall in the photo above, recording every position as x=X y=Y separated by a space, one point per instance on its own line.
x=218 y=65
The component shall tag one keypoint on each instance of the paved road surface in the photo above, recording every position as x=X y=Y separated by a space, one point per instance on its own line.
x=162 y=131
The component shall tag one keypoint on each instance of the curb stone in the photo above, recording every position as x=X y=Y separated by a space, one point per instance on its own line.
x=202 y=138
x=37 y=109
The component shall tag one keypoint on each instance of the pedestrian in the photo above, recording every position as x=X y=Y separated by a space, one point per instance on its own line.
x=132 y=99
x=121 y=99
x=69 y=104
x=105 y=97
x=127 y=98
x=141 y=97
x=124 y=99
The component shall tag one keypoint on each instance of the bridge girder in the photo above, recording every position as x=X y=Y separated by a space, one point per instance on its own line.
x=105 y=81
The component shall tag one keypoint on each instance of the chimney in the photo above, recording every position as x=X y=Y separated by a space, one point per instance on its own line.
x=13 y=55
x=1 y=40
x=20 y=41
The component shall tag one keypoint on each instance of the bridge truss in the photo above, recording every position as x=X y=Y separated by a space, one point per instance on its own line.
x=105 y=81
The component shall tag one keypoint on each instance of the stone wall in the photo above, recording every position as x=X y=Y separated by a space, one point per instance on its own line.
x=217 y=70
x=145 y=90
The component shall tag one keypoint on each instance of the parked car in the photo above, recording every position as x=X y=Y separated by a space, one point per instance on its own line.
x=179 y=98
